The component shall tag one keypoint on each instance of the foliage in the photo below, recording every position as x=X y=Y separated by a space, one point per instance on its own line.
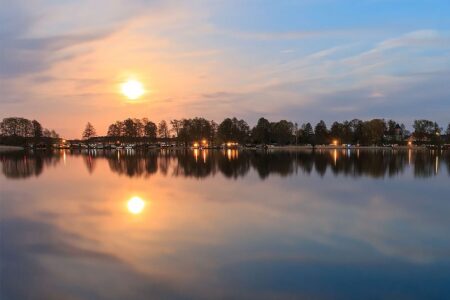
x=163 y=130
x=261 y=132
x=307 y=134
x=21 y=127
x=89 y=131
x=233 y=130
x=321 y=133
x=426 y=130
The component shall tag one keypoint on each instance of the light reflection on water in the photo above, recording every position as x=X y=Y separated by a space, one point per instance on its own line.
x=231 y=163
x=323 y=225
x=135 y=205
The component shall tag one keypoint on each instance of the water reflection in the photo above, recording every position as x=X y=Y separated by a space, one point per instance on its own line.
x=233 y=163
x=17 y=165
x=225 y=225
x=135 y=205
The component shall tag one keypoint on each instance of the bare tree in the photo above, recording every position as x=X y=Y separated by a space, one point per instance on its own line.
x=163 y=130
x=89 y=131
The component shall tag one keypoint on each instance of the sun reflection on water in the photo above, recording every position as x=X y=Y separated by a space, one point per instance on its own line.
x=135 y=205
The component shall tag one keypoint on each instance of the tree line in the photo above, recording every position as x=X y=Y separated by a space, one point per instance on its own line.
x=17 y=131
x=283 y=132
x=15 y=126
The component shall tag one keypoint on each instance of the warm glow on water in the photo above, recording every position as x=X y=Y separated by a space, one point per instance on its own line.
x=135 y=205
x=132 y=89
x=240 y=222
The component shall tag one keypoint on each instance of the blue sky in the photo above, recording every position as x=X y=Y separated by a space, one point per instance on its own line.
x=61 y=61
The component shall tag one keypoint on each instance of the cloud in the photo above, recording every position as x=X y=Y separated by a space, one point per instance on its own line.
x=396 y=98
x=219 y=95
x=271 y=36
x=61 y=57
x=25 y=244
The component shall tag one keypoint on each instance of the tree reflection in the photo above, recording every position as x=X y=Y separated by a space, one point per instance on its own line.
x=234 y=164
x=190 y=164
x=17 y=165
x=132 y=165
x=201 y=164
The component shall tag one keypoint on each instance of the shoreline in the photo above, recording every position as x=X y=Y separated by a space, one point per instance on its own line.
x=5 y=148
x=331 y=147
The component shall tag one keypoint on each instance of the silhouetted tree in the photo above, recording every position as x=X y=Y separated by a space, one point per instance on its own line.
x=15 y=126
x=307 y=133
x=46 y=132
x=373 y=131
x=116 y=129
x=423 y=129
x=214 y=130
x=448 y=133
x=37 y=129
x=176 y=127
x=129 y=128
x=163 y=130
x=199 y=129
x=391 y=125
x=321 y=133
x=282 y=132
x=150 y=130
x=261 y=132
x=54 y=134
x=356 y=127
x=233 y=130
x=337 y=131
x=89 y=131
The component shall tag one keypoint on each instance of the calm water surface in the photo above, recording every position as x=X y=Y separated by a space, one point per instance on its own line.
x=225 y=225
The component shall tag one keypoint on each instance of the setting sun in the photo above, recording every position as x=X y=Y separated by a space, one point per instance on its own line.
x=132 y=89
x=135 y=205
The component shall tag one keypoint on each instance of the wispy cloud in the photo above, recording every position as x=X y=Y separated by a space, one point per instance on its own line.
x=61 y=57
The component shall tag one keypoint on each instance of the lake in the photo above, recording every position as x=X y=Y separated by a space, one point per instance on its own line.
x=334 y=224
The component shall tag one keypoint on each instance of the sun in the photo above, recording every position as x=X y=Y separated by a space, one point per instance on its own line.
x=132 y=89
x=135 y=205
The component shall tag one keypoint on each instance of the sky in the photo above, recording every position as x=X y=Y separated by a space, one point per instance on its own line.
x=62 y=61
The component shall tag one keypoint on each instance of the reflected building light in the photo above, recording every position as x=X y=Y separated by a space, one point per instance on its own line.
x=196 y=154
x=204 y=154
x=229 y=154
x=409 y=156
x=357 y=153
x=64 y=157
x=436 y=166
x=135 y=205
x=335 y=154
x=232 y=154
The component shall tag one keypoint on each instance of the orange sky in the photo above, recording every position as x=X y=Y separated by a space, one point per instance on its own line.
x=62 y=63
